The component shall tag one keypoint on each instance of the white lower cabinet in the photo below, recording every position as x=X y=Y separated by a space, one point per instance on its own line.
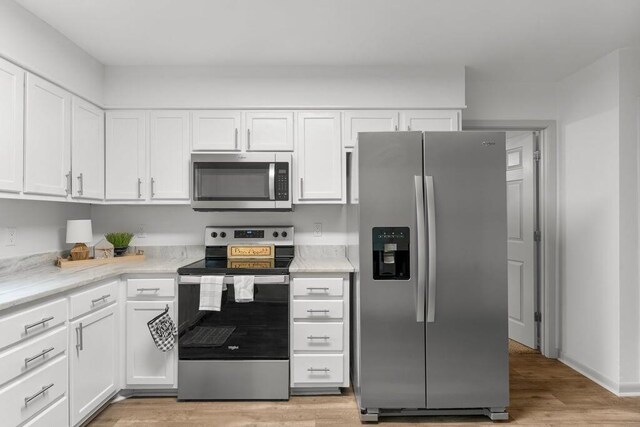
x=319 y=330
x=93 y=358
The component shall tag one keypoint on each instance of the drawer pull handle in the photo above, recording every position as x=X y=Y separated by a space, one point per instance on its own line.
x=102 y=298
x=39 y=393
x=42 y=354
x=311 y=337
x=148 y=289
x=317 y=311
x=40 y=322
x=325 y=370
x=318 y=289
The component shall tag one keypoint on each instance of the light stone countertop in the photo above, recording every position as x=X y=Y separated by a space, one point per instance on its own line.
x=320 y=259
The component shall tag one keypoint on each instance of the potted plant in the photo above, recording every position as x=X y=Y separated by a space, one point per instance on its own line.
x=120 y=241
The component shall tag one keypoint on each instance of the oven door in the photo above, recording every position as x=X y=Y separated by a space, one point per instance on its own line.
x=240 y=181
x=257 y=330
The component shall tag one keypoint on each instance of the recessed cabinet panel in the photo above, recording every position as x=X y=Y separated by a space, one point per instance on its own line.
x=430 y=120
x=169 y=155
x=125 y=155
x=269 y=131
x=367 y=121
x=216 y=130
x=87 y=150
x=47 y=138
x=11 y=126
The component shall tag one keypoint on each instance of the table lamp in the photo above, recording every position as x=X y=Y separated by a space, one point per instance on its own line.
x=79 y=231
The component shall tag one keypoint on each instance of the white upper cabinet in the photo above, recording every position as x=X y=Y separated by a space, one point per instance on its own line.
x=320 y=164
x=87 y=150
x=47 y=138
x=268 y=131
x=430 y=120
x=367 y=121
x=11 y=126
x=125 y=155
x=215 y=130
x=169 y=155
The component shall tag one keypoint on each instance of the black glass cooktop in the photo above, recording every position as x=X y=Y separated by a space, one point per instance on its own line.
x=278 y=266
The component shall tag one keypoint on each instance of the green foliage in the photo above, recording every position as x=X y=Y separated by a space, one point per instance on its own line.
x=119 y=239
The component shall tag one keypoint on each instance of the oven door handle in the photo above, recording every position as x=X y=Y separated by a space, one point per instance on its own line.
x=272 y=181
x=228 y=280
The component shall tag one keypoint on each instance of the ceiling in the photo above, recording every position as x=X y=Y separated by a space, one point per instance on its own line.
x=516 y=40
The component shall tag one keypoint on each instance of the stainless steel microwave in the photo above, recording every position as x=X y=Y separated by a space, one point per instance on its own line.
x=238 y=182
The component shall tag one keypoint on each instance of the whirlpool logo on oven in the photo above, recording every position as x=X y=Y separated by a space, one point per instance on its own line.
x=233 y=347
x=488 y=143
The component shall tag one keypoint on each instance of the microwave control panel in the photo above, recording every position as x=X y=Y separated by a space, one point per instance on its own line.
x=282 y=181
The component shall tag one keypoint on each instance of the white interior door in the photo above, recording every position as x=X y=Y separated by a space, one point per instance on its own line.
x=521 y=242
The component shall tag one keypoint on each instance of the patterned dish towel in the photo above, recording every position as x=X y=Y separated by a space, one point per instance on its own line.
x=163 y=331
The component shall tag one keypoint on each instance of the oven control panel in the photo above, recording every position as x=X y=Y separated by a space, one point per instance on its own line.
x=261 y=235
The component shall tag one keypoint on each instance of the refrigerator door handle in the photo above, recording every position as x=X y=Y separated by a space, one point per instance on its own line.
x=431 y=231
x=422 y=267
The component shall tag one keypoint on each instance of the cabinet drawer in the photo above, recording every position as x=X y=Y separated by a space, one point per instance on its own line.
x=316 y=287
x=86 y=301
x=318 y=336
x=29 y=355
x=32 y=321
x=317 y=368
x=319 y=309
x=26 y=396
x=55 y=415
x=164 y=287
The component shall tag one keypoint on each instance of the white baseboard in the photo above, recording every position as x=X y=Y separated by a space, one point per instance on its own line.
x=593 y=375
x=629 y=390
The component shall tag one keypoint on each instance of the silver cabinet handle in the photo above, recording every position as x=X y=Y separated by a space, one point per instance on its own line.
x=395 y=127
x=431 y=232
x=39 y=322
x=317 y=311
x=311 y=337
x=311 y=289
x=148 y=289
x=42 y=354
x=301 y=188
x=248 y=139
x=408 y=127
x=39 y=393
x=79 y=337
x=68 y=183
x=272 y=181
x=80 y=185
x=236 y=140
x=420 y=231
x=102 y=298
x=153 y=185
x=139 y=188
x=318 y=370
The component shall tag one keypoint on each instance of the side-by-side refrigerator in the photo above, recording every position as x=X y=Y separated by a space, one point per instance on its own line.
x=428 y=239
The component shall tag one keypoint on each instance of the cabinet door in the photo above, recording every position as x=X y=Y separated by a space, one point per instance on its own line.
x=93 y=361
x=169 y=155
x=367 y=121
x=47 y=139
x=321 y=169
x=430 y=120
x=87 y=150
x=146 y=365
x=125 y=155
x=215 y=130
x=11 y=126
x=269 y=131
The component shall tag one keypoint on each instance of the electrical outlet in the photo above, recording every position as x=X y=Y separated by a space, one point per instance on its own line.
x=317 y=229
x=12 y=236
x=141 y=234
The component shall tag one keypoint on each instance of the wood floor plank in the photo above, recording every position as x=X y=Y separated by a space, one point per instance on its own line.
x=543 y=392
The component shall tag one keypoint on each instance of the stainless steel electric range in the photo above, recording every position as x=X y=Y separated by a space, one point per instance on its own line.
x=242 y=351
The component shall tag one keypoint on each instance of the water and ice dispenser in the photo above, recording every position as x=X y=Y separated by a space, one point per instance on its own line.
x=390 y=253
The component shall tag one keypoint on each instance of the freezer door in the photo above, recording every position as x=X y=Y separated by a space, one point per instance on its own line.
x=392 y=339
x=467 y=348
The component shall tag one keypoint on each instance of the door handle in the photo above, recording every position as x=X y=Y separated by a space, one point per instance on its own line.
x=248 y=139
x=301 y=189
x=80 y=185
x=68 y=183
x=79 y=337
x=139 y=188
x=431 y=232
x=153 y=187
x=236 y=140
x=272 y=181
x=420 y=231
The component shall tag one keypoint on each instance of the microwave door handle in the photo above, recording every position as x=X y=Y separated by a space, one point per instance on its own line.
x=272 y=181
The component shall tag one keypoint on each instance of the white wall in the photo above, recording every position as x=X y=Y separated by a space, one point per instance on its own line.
x=589 y=240
x=41 y=225
x=180 y=225
x=254 y=87
x=31 y=43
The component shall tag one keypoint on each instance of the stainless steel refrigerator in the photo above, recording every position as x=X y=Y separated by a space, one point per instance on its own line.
x=428 y=238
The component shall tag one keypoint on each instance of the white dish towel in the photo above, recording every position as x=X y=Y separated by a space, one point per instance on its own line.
x=243 y=288
x=211 y=292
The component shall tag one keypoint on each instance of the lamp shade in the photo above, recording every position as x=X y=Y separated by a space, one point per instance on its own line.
x=79 y=231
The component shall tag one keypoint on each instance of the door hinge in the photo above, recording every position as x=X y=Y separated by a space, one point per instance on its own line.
x=537 y=316
x=536 y=155
x=537 y=236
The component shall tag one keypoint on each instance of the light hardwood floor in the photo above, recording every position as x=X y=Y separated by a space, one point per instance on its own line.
x=543 y=392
